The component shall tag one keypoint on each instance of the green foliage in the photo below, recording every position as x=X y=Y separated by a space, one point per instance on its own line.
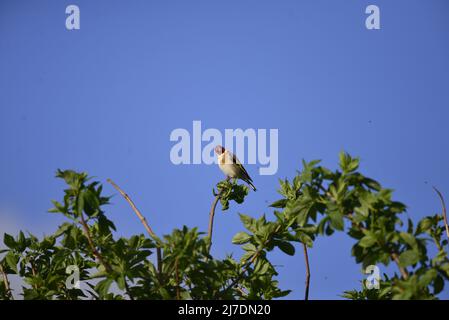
x=326 y=201
x=383 y=293
x=316 y=202
x=230 y=191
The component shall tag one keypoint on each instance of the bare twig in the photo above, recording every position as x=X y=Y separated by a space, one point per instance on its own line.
x=211 y=219
x=6 y=282
x=95 y=252
x=242 y=292
x=403 y=271
x=306 y=257
x=143 y=221
x=212 y=215
x=443 y=205
x=133 y=206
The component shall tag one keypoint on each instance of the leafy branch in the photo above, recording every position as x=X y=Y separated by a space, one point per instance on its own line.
x=95 y=252
x=316 y=202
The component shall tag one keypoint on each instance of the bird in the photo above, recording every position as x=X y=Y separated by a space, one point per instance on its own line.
x=231 y=166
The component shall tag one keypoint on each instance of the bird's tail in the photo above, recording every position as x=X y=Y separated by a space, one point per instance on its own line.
x=252 y=185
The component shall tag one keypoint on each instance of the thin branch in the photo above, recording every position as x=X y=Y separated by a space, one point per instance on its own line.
x=95 y=252
x=211 y=219
x=242 y=292
x=133 y=206
x=6 y=282
x=306 y=257
x=212 y=215
x=403 y=271
x=33 y=272
x=143 y=221
x=443 y=205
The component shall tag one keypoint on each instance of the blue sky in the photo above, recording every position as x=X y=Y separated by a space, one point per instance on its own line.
x=105 y=98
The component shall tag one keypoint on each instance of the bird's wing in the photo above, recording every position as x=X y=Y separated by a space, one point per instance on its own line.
x=242 y=169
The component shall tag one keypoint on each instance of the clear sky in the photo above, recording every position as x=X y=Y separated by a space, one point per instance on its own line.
x=105 y=98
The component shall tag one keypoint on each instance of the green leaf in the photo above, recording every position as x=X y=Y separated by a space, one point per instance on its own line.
x=286 y=247
x=80 y=207
x=438 y=284
x=409 y=225
x=302 y=215
x=62 y=229
x=424 y=225
x=9 y=241
x=305 y=238
x=91 y=202
x=12 y=260
x=241 y=238
x=367 y=241
x=372 y=184
x=57 y=207
x=336 y=220
x=102 y=287
x=248 y=222
x=22 y=241
x=72 y=178
x=121 y=282
x=279 y=204
x=343 y=159
x=261 y=267
x=409 y=239
x=347 y=163
x=408 y=258
x=165 y=294
x=249 y=247
x=427 y=277
x=185 y=295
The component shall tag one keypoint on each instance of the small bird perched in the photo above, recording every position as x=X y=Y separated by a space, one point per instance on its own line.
x=231 y=166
